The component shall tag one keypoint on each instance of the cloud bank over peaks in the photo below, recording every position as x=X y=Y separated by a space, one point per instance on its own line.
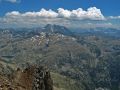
x=79 y=18
x=91 y=13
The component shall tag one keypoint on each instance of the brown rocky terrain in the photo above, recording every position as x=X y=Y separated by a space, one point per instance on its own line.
x=32 y=78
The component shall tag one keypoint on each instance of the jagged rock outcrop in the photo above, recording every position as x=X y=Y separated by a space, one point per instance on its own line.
x=42 y=79
x=32 y=78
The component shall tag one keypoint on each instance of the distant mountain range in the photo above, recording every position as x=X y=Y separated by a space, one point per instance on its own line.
x=79 y=59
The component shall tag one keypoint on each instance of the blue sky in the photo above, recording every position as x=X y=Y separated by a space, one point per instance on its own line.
x=108 y=7
x=109 y=10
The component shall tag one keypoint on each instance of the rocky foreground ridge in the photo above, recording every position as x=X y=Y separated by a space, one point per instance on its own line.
x=31 y=78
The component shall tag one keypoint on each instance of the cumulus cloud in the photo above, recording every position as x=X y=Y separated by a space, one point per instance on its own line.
x=64 y=13
x=41 y=13
x=13 y=13
x=92 y=14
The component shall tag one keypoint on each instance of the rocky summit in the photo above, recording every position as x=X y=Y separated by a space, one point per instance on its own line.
x=31 y=78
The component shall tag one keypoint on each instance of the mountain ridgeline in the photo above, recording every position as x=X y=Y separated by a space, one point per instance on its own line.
x=80 y=59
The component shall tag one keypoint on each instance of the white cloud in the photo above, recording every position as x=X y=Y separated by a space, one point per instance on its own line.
x=41 y=13
x=92 y=14
x=13 y=13
x=92 y=17
x=114 y=17
x=12 y=1
x=64 y=13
